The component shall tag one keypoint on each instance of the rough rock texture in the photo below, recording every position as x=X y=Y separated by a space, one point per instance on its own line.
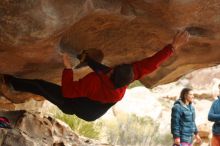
x=34 y=129
x=125 y=30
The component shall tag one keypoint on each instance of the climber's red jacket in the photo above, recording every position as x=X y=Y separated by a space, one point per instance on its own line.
x=98 y=86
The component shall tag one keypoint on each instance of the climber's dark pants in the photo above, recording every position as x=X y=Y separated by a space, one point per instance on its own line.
x=82 y=107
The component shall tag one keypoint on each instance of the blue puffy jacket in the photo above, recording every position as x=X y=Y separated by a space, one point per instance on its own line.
x=214 y=116
x=183 y=121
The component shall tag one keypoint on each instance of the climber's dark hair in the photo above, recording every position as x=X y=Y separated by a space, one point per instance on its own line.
x=122 y=75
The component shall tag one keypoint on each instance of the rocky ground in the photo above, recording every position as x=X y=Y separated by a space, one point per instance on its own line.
x=36 y=129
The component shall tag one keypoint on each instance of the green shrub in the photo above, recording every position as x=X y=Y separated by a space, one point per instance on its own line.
x=83 y=128
x=135 y=84
x=164 y=139
x=125 y=130
x=135 y=131
x=130 y=130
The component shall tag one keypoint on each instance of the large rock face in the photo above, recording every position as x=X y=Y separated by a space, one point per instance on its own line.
x=35 y=129
x=125 y=30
